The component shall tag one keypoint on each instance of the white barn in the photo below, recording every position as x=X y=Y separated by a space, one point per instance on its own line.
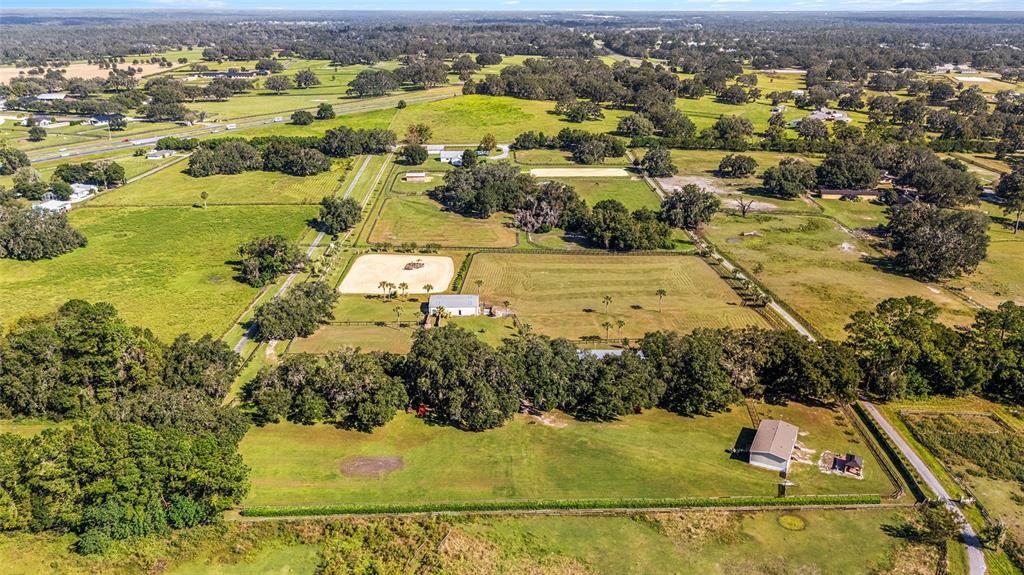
x=456 y=304
x=773 y=445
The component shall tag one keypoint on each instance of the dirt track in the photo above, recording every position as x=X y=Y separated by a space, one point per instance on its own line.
x=369 y=270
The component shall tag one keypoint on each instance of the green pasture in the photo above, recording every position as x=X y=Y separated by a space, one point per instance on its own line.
x=817 y=269
x=422 y=220
x=168 y=269
x=860 y=214
x=465 y=119
x=698 y=542
x=656 y=454
x=173 y=187
x=562 y=295
x=634 y=193
x=999 y=277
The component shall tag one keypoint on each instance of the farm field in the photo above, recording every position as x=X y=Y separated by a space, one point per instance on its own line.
x=695 y=542
x=422 y=220
x=464 y=119
x=82 y=69
x=818 y=270
x=173 y=187
x=561 y=295
x=367 y=120
x=656 y=454
x=633 y=193
x=168 y=269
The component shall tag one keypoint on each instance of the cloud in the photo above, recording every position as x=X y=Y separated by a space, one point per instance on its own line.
x=510 y=2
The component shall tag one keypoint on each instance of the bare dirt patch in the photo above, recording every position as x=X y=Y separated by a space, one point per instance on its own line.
x=708 y=184
x=417 y=271
x=972 y=79
x=84 y=70
x=579 y=173
x=367 y=466
x=756 y=206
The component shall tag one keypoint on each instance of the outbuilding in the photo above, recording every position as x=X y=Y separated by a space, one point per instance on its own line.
x=773 y=445
x=455 y=304
x=418 y=177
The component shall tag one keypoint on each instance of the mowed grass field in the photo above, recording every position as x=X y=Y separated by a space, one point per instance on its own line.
x=465 y=119
x=633 y=193
x=561 y=295
x=656 y=454
x=419 y=219
x=168 y=269
x=173 y=187
x=817 y=269
x=1000 y=277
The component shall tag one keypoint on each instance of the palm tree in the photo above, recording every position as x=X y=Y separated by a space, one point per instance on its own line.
x=607 y=325
x=661 y=293
x=204 y=194
x=524 y=329
x=398 y=313
x=507 y=305
x=383 y=286
x=619 y=324
x=440 y=313
x=404 y=287
x=607 y=301
x=478 y=283
x=428 y=288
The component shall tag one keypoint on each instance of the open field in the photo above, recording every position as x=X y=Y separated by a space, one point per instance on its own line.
x=365 y=337
x=173 y=187
x=465 y=119
x=633 y=193
x=422 y=220
x=699 y=542
x=818 y=269
x=167 y=269
x=657 y=454
x=561 y=295
x=417 y=271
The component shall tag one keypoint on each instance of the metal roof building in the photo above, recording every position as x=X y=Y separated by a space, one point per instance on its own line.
x=773 y=445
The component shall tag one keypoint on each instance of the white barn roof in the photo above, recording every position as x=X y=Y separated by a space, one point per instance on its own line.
x=454 y=301
x=775 y=437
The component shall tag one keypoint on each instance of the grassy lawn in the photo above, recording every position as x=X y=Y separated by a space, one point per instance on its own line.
x=464 y=119
x=164 y=268
x=422 y=220
x=998 y=278
x=656 y=454
x=375 y=119
x=561 y=295
x=697 y=542
x=862 y=214
x=818 y=270
x=366 y=337
x=633 y=193
x=173 y=187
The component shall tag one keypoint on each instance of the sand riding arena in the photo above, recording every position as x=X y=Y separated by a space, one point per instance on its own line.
x=414 y=270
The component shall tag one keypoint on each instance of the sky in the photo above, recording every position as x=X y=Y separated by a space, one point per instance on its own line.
x=527 y=5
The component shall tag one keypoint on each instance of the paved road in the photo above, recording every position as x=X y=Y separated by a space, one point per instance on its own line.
x=141 y=139
x=975 y=556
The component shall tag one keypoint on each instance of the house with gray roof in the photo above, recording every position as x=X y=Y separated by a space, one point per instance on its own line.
x=773 y=445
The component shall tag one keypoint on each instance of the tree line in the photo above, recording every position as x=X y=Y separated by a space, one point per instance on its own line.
x=147 y=417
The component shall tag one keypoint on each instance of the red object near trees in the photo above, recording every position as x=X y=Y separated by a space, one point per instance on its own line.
x=422 y=410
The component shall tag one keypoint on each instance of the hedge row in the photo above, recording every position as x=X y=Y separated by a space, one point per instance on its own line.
x=913 y=480
x=568 y=504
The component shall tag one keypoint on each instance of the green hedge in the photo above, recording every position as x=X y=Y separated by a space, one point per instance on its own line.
x=460 y=275
x=567 y=504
